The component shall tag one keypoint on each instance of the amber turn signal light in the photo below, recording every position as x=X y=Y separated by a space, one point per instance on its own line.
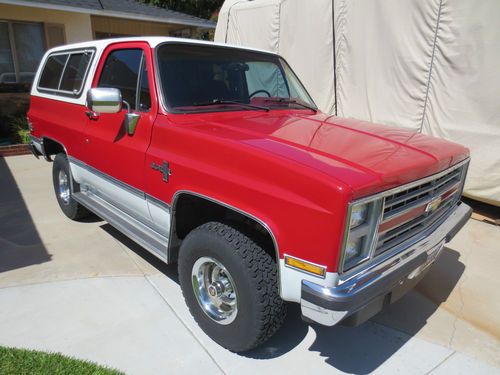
x=305 y=266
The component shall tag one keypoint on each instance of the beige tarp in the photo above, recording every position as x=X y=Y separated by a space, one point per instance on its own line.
x=426 y=65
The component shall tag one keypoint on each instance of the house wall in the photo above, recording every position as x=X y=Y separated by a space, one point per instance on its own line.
x=77 y=25
x=77 y=28
x=120 y=26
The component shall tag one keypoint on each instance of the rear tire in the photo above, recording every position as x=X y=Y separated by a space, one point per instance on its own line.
x=62 y=180
x=217 y=259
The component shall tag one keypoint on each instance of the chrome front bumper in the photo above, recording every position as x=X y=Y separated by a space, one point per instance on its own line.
x=359 y=297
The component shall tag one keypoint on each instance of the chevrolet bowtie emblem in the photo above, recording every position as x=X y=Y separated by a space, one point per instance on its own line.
x=163 y=168
x=433 y=205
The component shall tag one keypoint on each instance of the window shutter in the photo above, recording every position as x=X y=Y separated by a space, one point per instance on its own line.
x=55 y=34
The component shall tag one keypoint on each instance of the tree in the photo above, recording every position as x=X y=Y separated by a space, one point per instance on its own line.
x=200 y=8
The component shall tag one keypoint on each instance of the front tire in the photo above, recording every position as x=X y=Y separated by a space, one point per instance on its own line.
x=230 y=285
x=61 y=178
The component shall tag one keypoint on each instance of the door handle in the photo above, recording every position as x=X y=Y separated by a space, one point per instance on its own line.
x=94 y=116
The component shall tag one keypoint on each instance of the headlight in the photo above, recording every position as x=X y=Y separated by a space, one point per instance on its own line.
x=353 y=249
x=361 y=228
x=358 y=214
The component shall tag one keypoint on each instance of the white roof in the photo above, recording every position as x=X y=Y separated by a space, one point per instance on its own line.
x=100 y=45
x=153 y=41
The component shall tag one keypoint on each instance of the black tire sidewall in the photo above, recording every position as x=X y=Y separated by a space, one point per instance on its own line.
x=61 y=163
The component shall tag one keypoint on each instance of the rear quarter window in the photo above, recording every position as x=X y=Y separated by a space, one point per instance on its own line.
x=65 y=73
x=52 y=72
x=73 y=76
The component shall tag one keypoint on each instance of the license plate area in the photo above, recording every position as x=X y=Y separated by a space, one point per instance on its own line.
x=432 y=254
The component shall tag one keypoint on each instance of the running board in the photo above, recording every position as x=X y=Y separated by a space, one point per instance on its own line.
x=132 y=228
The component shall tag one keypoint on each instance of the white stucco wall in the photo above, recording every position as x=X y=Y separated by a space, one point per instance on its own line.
x=77 y=25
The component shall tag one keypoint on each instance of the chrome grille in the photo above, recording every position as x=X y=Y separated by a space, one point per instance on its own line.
x=409 y=208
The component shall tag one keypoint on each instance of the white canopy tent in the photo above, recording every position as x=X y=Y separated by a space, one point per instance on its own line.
x=426 y=65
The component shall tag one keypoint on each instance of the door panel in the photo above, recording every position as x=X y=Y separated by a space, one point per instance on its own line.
x=111 y=151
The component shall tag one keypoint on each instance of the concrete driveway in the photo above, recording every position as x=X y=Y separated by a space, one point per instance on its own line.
x=85 y=290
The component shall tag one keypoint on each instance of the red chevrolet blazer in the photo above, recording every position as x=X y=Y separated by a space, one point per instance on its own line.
x=216 y=157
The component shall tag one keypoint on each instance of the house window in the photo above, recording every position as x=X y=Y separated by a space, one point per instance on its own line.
x=22 y=45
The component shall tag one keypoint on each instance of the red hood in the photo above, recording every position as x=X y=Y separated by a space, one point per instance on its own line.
x=367 y=157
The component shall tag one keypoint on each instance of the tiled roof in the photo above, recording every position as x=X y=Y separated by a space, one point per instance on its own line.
x=128 y=8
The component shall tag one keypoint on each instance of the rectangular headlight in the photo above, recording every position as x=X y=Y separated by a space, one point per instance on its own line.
x=359 y=213
x=362 y=225
x=353 y=248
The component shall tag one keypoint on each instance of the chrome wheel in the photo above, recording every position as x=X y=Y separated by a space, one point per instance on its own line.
x=215 y=290
x=64 y=190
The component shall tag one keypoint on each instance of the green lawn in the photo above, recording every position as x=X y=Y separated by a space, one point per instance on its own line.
x=24 y=362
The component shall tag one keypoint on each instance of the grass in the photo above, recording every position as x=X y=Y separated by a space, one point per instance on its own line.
x=14 y=129
x=19 y=126
x=24 y=362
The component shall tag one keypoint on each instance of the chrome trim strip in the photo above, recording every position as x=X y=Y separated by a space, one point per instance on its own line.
x=77 y=161
x=419 y=205
x=264 y=225
x=416 y=204
x=123 y=185
x=411 y=184
x=426 y=190
x=157 y=202
x=62 y=73
x=129 y=189
x=375 y=234
x=447 y=186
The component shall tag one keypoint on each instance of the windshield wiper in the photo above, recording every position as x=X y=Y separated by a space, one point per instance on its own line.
x=292 y=101
x=222 y=101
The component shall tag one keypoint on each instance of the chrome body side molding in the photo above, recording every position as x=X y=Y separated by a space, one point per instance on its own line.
x=132 y=228
x=140 y=216
x=133 y=202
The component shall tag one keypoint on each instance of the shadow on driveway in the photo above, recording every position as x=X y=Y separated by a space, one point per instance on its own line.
x=169 y=270
x=356 y=350
x=20 y=244
x=362 y=349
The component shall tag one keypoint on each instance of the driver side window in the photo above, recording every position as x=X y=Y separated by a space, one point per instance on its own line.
x=126 y=70
x=265 y=76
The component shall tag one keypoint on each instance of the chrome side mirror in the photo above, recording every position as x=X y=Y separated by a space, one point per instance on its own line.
x=104 y=100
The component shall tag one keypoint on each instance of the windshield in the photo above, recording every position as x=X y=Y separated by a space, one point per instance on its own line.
x=198 y=78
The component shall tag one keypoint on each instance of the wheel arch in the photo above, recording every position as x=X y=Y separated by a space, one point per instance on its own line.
x=51 y=147
x=182 y=224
